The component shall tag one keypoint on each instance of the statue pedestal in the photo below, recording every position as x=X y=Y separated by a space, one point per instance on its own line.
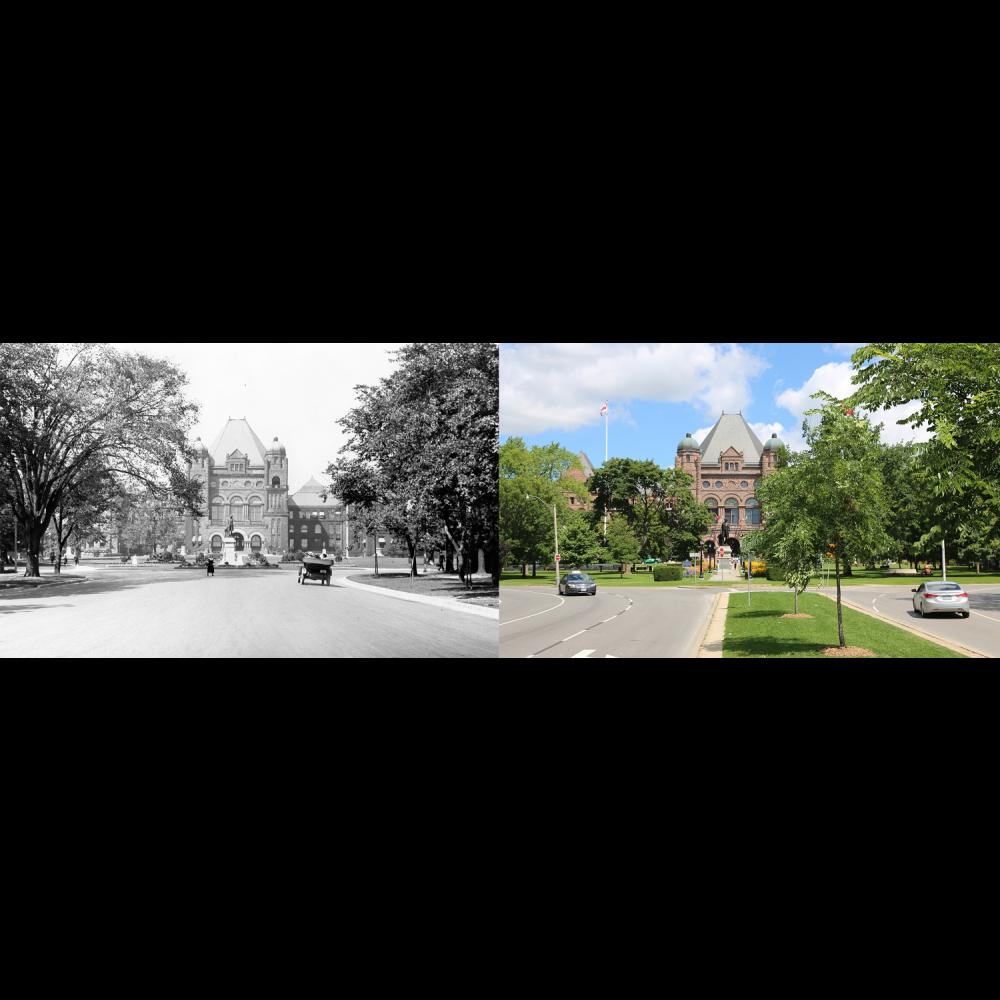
x=229 y=551
x=239 y=558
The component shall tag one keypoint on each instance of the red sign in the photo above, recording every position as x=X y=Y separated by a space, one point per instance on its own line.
x=557 y=557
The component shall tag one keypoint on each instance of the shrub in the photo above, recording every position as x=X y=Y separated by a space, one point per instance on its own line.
x=775 y=573
x=758 y=568
x=669 y=572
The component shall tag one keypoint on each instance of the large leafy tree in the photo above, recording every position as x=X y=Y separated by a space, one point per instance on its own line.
x=622 y=544
x=68 y=408
x=423 y=445
x=657 y=504
x=833 y=495
x=956 y=387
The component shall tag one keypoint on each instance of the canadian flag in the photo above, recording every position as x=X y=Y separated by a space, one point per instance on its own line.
x=604 y=409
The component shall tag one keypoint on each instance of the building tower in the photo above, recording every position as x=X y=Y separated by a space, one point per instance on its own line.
x=769 y=455
x=276 y=510
x=198 y=469
x=689 y=458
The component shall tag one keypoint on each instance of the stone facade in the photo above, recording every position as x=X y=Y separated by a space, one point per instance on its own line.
x=245 y=481
x=726 y=468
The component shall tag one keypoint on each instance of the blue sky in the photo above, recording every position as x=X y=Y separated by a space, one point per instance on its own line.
x=658 y=392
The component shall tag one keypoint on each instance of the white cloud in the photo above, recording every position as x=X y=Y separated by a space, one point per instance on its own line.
x=562 y=386
x=835 y=378
x=847 y=349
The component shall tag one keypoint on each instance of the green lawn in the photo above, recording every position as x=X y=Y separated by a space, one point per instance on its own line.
x=760 y=631
x=511 y=578
x=956 y=574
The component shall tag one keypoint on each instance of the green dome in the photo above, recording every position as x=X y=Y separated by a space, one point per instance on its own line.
x=688 y=442
x=772 y=443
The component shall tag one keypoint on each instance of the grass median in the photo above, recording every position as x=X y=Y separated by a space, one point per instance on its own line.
x=761 y=631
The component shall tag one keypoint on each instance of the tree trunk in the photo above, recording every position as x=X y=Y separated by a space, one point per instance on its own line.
x=533 y=568
x=796 y=601
x=413 y=558
x=449 y=559
x=524 y=570
x=59 y=553
x=840 y=610
x=34 y=543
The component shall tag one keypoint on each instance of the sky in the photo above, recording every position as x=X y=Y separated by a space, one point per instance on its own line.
x=293 y=391
x=656 y=393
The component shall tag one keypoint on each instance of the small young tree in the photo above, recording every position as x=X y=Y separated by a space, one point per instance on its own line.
x=578 y=543
x=622 y=545
x=831 y=495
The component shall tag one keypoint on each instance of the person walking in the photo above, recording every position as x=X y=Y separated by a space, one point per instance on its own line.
x=76 y=558
x=210 y=567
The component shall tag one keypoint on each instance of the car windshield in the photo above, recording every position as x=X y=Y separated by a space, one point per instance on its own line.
x=577 y=578
x=943 y=586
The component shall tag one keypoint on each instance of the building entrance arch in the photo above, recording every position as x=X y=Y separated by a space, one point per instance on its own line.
x=239 y=541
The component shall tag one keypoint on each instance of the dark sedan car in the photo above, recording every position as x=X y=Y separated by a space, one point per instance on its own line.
x=578 y=583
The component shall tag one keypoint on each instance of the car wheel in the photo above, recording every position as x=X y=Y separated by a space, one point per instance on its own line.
x=920 y=611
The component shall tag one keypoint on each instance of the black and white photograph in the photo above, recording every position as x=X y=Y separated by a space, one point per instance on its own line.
x=249 y=500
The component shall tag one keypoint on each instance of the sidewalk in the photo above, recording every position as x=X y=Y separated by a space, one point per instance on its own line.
x=711 y=644
x=440 y=602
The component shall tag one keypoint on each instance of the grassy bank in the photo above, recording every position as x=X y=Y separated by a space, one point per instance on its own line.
x=760 y=631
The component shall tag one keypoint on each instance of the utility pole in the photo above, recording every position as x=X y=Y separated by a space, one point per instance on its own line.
x=555 y=528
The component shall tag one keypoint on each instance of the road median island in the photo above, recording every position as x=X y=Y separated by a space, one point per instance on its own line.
x=761 y=630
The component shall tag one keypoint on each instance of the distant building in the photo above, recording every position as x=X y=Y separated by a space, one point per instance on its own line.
x=316 y=524
x=726 y=468
x=581 y=477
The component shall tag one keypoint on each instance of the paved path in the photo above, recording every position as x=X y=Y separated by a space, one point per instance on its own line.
x=136 y=612
x=979 y=632
x=625 y=622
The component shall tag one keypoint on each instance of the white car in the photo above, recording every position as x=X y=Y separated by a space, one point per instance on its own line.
x=939 y=598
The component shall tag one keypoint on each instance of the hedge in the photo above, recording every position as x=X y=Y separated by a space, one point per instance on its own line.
x=662 y=573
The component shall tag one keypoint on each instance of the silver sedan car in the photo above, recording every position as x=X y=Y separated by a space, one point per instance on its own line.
x=941 y=598
x=578 y=583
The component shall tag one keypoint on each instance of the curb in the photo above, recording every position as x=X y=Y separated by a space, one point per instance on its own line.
x=440 y=602
x=955 y=647
x=711 y=642
x=10 y=587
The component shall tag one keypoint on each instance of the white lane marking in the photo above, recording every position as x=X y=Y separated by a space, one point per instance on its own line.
x=990 y=617
x=611 y=619
x=583 y=652
x=573 y=636
x=562 y=601
x=611 y=656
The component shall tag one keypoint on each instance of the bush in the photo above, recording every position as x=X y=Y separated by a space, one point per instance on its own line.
x=758 y=568
x=775 y=573
x=669 y=572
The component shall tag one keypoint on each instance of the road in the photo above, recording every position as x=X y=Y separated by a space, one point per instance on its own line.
x=624 y=622
x=979 y=632
x=163 y=612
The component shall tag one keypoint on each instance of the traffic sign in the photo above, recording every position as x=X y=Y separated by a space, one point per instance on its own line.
x=558 y=557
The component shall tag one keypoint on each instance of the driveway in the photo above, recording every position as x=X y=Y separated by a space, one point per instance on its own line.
x=979 y=632
x=164 y=612
x=536 y=622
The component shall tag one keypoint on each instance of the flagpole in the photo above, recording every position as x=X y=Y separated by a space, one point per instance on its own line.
x=605 y=462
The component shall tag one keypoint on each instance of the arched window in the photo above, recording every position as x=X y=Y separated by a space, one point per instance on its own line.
x=236 y=508
x=713 y=505
x=216 y=543
x=256 y=510
x=319 y=529
x=218 y=509
x=255 y=543
x=732 y=511
x=753 y=511
x=275 y=481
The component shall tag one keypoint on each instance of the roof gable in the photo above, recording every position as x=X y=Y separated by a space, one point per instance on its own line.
x=731 y=432
x=238 y=436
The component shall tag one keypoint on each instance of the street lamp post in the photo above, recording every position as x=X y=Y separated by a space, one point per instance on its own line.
x=555 y=528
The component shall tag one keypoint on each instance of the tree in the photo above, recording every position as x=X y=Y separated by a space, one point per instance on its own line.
x=424 y=447
x=788 y=540
x=831 y=495
x=66 y=408
x=622 y=544
x=657 y=504
x=82 y=508
x=578 y=543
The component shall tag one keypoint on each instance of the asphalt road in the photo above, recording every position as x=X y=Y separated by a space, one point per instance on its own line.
x=137 y=612
x=627 y=622
x=980 y=631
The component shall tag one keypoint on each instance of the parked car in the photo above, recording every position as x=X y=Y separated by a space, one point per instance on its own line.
x=578 y=583
x=940 y=597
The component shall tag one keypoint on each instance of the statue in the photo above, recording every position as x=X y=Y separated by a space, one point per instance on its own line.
x=724 y=536
x=229 y=530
